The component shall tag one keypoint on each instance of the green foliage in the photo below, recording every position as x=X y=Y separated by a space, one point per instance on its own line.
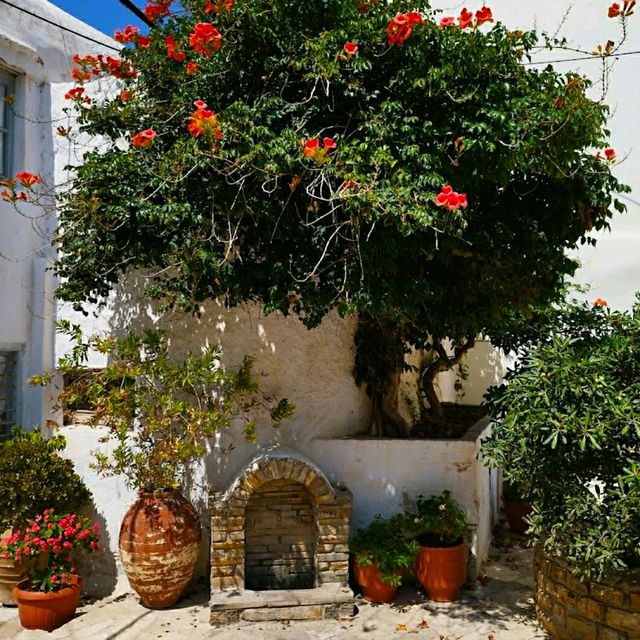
x=568 y=428
x=248 y=217
x=439 y=521
x=34 y=477
x=159 y=412
x=384 y=544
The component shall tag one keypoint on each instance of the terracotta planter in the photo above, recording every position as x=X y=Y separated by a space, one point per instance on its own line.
x=10 y=574
x=516 y=513
x=46 y=611
x=159 y=543
x=442 y=571
x=374 y=588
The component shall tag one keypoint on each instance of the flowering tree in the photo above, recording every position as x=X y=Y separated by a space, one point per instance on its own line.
x=368 y=157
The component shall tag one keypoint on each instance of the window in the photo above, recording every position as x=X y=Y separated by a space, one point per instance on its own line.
x=8 y=391
x=7 y=82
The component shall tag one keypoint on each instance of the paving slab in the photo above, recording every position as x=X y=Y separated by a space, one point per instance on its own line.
x=499 y=608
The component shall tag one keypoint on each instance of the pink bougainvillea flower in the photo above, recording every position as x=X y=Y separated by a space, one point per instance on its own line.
x=600 y=302
x=219 y=6
x=350 y=48
x=27 y=179
x=401 y=27
x=172 y=51
x=450 y=199
x=205 y=39
x=483 y=15
x=465 y=19
x=447 y=21
x=144 y=138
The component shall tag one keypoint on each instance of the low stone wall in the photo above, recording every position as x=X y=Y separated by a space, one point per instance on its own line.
x=569 y=609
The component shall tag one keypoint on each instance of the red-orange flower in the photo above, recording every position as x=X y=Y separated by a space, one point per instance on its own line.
x=172 y=52
x=465 y=19
x=600 y=302
x=610 y=154
x=483 y=15
x=450 y=199
x=157 y=9
x=204 y=122
x=120 y=68
x=626 y=10
x=27 y=179
x=205 y=39
x=312 y=149
x=447 y=21
x=401 y=27
x=125 y=95
x=129 y=34
x=80 y=75
x=350 y=48
x=191 y=67
x=144 y=138
x=219 y=6
x=75 y=94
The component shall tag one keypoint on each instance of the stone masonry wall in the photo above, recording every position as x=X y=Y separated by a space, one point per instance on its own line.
x=280 y=537
x=569 y=609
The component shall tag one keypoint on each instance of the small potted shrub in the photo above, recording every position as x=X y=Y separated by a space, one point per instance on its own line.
x=382 y=555
x=440 y=526
x=33 y=477
x=517 y=506
x=50 y=592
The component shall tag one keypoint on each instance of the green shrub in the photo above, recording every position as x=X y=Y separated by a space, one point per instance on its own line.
x=384 y=544
x=568 y=427
x=439 y=522
x=34 y=477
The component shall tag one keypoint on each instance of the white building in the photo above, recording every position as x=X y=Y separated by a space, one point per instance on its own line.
x=37 y=41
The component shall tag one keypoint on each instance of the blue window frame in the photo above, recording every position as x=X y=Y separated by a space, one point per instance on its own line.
x=7 y=88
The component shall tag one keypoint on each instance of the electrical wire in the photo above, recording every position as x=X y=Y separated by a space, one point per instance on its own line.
x=593 y=57
x=76 y=33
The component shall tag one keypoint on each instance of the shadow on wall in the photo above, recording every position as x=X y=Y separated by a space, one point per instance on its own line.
x=98 y=570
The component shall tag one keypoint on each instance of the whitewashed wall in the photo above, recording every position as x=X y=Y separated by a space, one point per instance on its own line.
x=39 y=55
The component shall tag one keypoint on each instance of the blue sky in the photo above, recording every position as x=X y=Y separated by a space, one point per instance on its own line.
x=105 y=15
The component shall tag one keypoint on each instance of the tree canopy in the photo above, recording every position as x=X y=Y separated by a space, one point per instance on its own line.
x=311 y=155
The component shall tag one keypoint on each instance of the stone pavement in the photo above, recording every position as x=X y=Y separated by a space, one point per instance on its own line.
x=500 y=608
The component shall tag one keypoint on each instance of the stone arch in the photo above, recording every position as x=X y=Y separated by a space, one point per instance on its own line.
x=331 y=510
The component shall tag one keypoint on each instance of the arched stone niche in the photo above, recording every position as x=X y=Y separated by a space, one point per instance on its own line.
x=280 y=543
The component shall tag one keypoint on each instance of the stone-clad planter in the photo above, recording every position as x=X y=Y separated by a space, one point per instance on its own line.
x=569 y=609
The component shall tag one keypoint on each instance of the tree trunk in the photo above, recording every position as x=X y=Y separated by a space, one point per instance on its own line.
x=442 y=362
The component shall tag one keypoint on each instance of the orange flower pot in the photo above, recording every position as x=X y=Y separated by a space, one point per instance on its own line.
x=442 y=571
x=374 y=588
x=516 y=513
x=46 y=611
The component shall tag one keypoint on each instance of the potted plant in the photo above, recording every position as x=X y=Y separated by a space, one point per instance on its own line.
x=568 y=428
x=33 y=477
x=50 y=592
x=382 y=554
x=158 y=414
x=440 y=526
x=517 y=506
